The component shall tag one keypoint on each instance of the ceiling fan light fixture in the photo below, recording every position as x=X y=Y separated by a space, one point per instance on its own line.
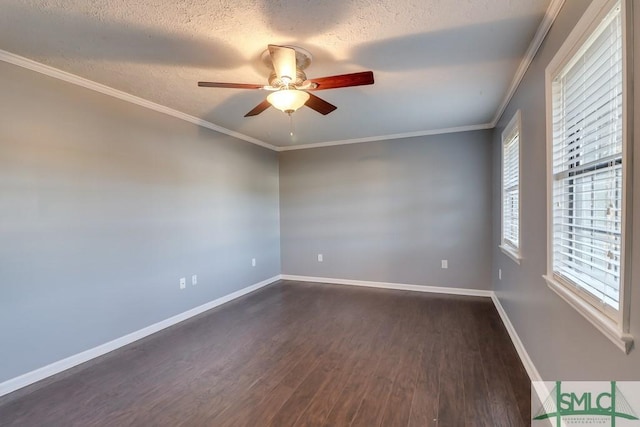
x=289 y=83
x=288 y=100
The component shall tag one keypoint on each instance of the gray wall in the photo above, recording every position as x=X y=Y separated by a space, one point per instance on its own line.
x=105 y=205
x=390 y=211
x=562 y=344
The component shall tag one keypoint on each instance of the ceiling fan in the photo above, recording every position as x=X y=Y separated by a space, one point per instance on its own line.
x=289 y=84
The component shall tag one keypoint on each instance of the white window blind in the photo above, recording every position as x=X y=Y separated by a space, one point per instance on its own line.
x=587 y=167
x=511 y=189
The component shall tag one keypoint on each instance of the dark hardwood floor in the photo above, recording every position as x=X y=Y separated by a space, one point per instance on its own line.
x=300 y=354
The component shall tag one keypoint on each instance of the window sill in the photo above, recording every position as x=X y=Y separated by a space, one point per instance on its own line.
x=604 y=324
x=511 y=253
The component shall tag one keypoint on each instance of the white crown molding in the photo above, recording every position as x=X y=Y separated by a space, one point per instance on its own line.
x=549 y=17
x=56 y=73
x=388 y=137
x=54 y=368
x=47 y=70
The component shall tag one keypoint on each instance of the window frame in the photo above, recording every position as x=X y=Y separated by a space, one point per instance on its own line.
x=514 y=126
x=616 y=327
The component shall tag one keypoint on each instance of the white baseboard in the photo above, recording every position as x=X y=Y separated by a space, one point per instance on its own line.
x=388 y=285
x=34 y=376
x=69 y=362
x=534 y=375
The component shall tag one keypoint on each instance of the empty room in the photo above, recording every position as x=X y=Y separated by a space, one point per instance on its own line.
x=339 y=213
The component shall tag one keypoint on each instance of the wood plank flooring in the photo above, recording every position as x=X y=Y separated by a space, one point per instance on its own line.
x=300 y=354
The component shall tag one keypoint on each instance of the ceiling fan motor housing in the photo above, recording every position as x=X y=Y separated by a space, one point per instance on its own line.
x=276 y=82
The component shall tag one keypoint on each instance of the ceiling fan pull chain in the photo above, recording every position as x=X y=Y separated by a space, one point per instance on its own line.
x=291 y=128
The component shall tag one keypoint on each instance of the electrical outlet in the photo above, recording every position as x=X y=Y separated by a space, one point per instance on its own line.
x=194 y=279
x=253 y=262
x=320 y=258
x=445 y=263
x=183 y=282
x=499 y=274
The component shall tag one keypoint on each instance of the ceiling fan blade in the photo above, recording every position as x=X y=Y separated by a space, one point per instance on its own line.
x=319 y=104
x=344 y=80
x=230 y=85
x=258 y=108
x=284 y=61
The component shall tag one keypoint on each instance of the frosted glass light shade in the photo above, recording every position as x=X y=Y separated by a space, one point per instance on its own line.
x=288 y=100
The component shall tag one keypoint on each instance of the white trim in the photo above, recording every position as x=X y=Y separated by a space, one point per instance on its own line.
x=534 y=375
x=511 y=253
x=71 y=361
x=604 y=324
x=546 y=23
x=580 y=33
x=549 y=17
x=617 y=331
x=47 y=70
x=388 y=137
x=627 y=164
x=514 y=126
x=390 y=285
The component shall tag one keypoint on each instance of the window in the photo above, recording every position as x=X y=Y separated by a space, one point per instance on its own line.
x=586 y=127
x=510 y=241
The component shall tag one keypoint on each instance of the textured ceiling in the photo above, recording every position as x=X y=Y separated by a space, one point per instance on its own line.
x=437 y=63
